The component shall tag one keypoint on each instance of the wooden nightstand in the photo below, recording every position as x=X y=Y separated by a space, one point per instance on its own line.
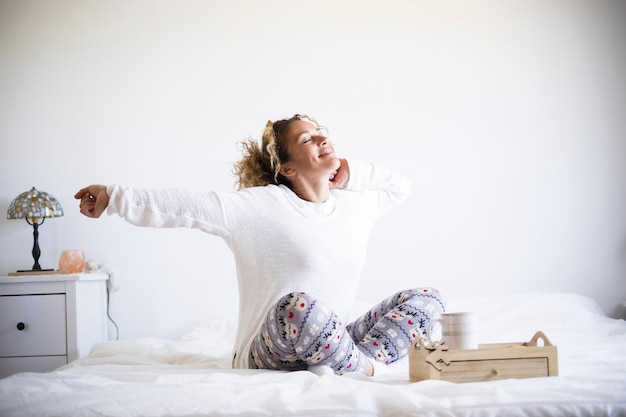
x=47 y=321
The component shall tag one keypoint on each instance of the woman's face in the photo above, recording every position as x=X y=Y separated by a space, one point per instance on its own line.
x=311 y=154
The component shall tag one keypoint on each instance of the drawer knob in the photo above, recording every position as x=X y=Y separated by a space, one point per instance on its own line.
x=21 y=326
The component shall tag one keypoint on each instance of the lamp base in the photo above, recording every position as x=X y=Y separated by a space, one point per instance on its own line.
x=36 y=272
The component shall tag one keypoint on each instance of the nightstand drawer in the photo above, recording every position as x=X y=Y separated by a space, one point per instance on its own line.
x=10 y=366
x=33 y=325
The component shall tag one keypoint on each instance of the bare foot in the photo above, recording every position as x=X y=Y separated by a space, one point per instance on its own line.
x=370 y=369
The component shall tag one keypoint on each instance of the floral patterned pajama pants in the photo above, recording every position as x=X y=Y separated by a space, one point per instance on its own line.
x=300 y=331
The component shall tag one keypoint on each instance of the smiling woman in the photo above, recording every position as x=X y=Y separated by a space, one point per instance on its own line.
x=298 y=227
x=286 y=144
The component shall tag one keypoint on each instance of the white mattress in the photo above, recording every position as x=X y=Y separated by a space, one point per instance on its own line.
x=190 y=376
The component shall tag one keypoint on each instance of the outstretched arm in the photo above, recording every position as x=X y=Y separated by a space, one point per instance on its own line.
x=93 y=200
x=173 y=207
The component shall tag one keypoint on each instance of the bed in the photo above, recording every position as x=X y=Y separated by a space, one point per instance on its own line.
x=191 y=375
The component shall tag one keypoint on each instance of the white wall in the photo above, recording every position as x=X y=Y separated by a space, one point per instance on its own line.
x=508 y=117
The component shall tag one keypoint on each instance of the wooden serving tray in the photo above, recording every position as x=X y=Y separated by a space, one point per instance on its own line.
x=487 y=363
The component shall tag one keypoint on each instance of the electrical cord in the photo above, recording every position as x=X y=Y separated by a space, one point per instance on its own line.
x=117 y=329
x=111 y=285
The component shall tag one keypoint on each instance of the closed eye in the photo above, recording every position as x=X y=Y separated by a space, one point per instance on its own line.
x=306 y=137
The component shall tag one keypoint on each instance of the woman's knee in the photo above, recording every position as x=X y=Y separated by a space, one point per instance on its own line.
x=297 y=311
x=424 y=294
x=295 y=305
x=296 y=301
x=423 y=291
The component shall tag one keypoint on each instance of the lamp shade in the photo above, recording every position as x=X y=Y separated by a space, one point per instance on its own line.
x=34 y=205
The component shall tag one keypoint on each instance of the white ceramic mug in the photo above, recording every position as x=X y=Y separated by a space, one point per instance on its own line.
x=458 y=330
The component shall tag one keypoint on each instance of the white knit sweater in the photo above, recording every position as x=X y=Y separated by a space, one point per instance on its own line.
x=280 y=242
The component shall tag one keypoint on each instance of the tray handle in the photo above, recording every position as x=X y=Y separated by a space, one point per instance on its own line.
x=539 y=335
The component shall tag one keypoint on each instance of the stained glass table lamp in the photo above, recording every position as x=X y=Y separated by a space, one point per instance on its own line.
x=35 y=206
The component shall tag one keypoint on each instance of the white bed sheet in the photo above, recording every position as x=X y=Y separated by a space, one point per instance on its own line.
x=191 y=376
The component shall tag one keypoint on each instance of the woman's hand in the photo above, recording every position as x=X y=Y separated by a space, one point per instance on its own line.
x=339 y=178
x=93 y=200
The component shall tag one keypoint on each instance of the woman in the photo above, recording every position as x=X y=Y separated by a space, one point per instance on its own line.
x=298 y=228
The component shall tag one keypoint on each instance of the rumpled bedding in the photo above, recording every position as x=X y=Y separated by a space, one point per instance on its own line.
x=191 y=375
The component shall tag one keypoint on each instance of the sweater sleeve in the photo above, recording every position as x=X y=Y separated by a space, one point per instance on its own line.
x=169 y=208
x=390 y=186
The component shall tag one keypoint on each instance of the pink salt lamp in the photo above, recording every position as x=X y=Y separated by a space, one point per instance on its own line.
x=72 y=261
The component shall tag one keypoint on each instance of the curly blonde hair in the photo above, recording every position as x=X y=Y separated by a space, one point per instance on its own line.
x=261 y=164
